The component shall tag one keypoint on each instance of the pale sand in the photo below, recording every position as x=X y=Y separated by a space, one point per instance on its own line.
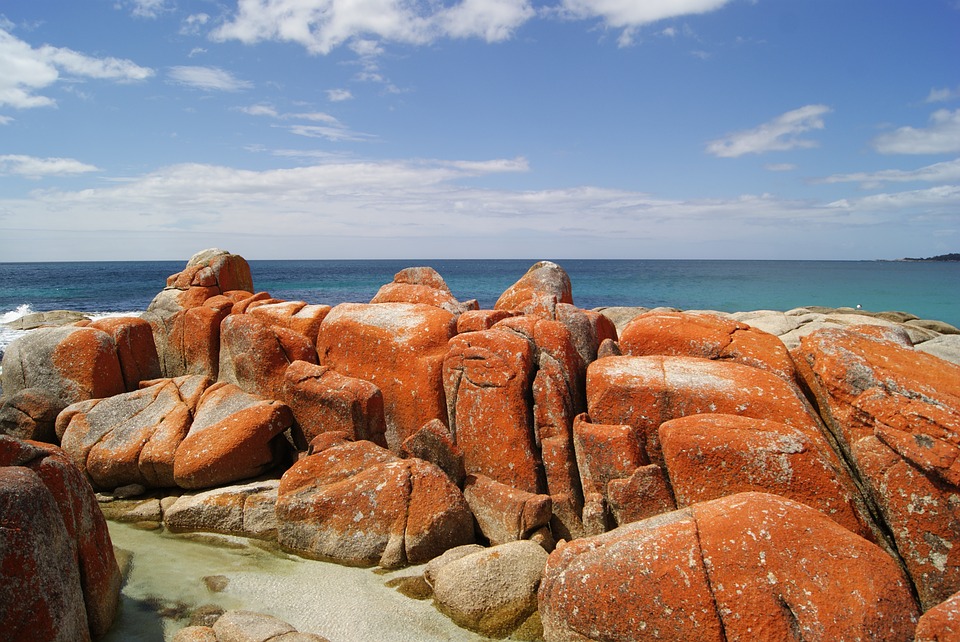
x=341 y=603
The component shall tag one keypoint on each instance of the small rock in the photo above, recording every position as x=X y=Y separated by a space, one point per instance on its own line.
x=128 y=491
x=205 y=615
x=215 y=583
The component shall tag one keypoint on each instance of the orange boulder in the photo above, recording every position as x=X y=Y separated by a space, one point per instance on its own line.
x=709 y=456
x=422 y=285
x=750 y=566
x=357 y=503
x=254 y=355
x=398 y=347
x=538 y=291
x=323 y=400
x=896 y=413
x=710 y=336
x=135 y=348
x=644 y=392
x=234 y=436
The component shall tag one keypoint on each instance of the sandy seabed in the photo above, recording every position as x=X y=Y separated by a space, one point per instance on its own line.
x=342 y=603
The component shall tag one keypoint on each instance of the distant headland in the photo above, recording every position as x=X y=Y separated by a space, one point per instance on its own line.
x=942 y=257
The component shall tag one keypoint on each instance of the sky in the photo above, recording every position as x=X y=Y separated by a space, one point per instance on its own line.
x=340 y=129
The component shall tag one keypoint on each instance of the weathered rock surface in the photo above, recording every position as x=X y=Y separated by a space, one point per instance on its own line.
x=941 y=623
x=946 y=347
x=644 y=392
x=896 y=412
x=54 y=532
x=434 y=443
x=298 y=316
x=398 y=347
x=422 y=285
x=709 y=456
x=357 y=503
x=255 y=355
x=323 y=400
x=492 y=591
x=748 y=566
x=132 y=438
x=246 y=510
x=538 y=291
x=40 y=585
x=504 y=513
x=234 y=436
x=186 y=315
x=135 y=348
x=48 y=369
x=710 y=336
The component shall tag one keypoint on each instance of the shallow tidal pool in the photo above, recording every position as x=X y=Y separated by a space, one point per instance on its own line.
x=165 y=585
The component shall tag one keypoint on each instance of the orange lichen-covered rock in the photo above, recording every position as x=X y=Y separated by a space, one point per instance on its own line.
x=487 y=376
x=588 y=329
x=62 y=365
x=40 y=582
x=706 y=335
x=298 y=316
x=255 y=355
x=475 y=320
x=131 y=438
x=504 y=513
x=234 y=435
x=323 y=400
x=644 y=392
x=434 y=443
x=941 y=623
x=558 y=396
x=751 y=566
x=767 y=555
x=186 y=315
x=712 y=455
x=91 y=555
x=398 y=347
x=538 y=291
x=646 y=580
x=896 y=413
x=604 y=453
x=358 y=503
x=422 y=285
x=135 y=348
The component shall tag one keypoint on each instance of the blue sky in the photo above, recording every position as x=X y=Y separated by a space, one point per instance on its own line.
x=763 y=129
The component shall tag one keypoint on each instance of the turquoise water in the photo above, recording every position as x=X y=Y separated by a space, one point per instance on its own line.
x=929 y=290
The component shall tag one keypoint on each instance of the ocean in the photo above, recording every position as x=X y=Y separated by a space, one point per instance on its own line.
x=930 y=290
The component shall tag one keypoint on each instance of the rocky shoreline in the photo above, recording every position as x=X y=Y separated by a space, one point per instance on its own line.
x=782 y=475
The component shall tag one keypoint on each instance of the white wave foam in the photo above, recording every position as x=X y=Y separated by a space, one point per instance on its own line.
x=13 y=315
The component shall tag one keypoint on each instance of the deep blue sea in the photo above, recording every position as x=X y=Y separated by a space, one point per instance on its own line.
x=927 y=289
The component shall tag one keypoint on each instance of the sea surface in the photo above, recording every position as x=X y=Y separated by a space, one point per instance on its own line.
x=930 y=290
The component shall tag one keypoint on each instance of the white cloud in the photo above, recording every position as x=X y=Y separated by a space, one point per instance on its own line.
x=941 y=137
x=260 y=110
x=391 y=208
x=945 y=172
x=33 y=167
x=780 y=167
x=338 y=95
x=208 y=78
x=5 y=120
x=25 y=70
x=147 y=8
x=192 y=24
x=331 y=129
x=629 y=15
x=322 y=25
x=943 y=95
x=780 y=134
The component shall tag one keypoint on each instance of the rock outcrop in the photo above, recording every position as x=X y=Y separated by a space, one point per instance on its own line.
x=357 y=503
x=748 y=566
x=60 y=579
x=896 y=413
